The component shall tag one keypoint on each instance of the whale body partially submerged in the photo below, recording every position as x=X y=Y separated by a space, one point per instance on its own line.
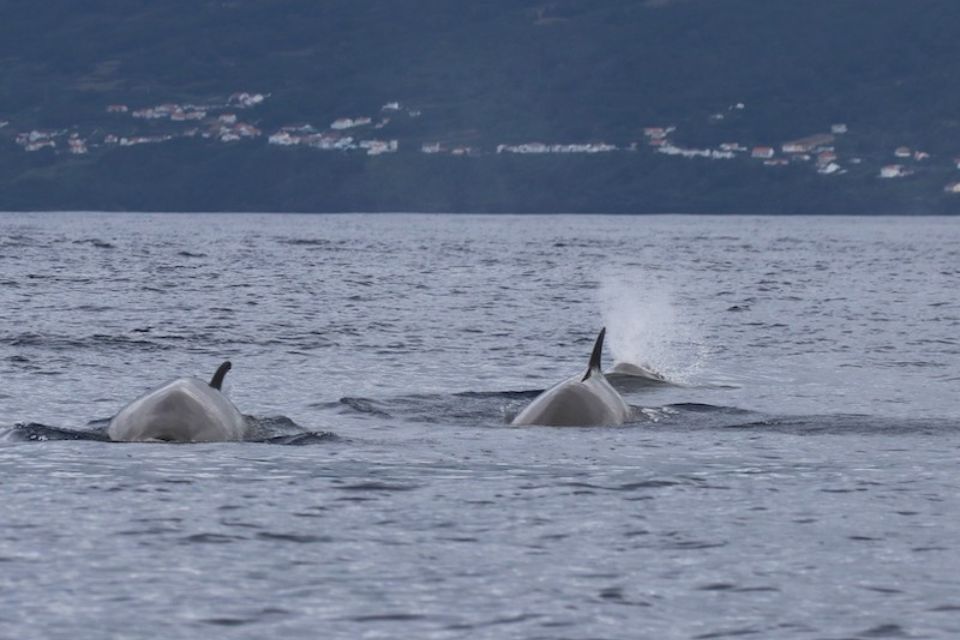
x=183 y=410
x=630 y=370
x=626 y=376
x=583 y=400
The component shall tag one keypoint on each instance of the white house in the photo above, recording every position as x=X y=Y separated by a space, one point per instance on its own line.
x=246 y=100
x=349 y=123
x=78 y=146
x=893 y=171
x=829 y=169
x=808 y=144
x=377 y=147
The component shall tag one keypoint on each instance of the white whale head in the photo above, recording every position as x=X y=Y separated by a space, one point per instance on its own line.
x=583 y=400
x=183 y=410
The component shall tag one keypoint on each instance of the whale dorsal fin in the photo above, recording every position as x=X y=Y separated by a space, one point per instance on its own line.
x=594 y=366
x=217 y=380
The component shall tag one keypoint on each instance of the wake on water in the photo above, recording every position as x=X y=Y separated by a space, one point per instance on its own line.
x=266 y=429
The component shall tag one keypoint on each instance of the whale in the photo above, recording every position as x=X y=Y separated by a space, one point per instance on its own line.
x=587 y=399
x=635 y=370
x=627 y=375
x=182 y=410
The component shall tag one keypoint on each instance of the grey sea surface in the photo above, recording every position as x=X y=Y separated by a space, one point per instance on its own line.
x=797 y=477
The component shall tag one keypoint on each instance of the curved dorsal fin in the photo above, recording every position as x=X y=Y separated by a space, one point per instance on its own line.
x=594 y=365
x=217 y=380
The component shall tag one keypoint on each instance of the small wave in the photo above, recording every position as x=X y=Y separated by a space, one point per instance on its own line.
x=301 y=342
x=17 y=240
x=388 y=617
x=355 y=405
x=64 y=343
x=886 y=631
x=316 y=243
x=36 y=432
x=693 y=416
x=211 y=538
x=483 y=408
x=293 y=537
x=265 y=427
x=96 y=242
x=502 y=395
x=303 y=439
x=228 y=622
x=704 y=408
x=266 y=430
x=378 y=486
x=629 y=486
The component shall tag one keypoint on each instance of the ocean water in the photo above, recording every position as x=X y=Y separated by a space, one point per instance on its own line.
x=796 y=477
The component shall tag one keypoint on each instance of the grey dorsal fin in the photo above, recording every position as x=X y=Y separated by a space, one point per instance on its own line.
x=595 y=356
x=217 y=380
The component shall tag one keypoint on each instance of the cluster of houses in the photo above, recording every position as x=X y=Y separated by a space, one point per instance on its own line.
x=212 y=121
x=307 y=136
x=817 y=149
x=219 y=119
x=659 y=139
x=349 y=123
x=454 y=150
x=901 y=169
x=687 y=152
x=187 y=112
x=52 y=139
x=220 y=122
x=129 y=141
x=175 y=112
x=36 y=140
x=540 y=147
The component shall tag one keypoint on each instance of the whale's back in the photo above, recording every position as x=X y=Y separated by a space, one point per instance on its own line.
x=576 y=402
x=184 y=410
x=585 y=400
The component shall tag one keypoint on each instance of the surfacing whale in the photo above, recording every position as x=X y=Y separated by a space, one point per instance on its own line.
x=636 y=371
x=627 y=376
x=183 y=410
x=583 y=400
